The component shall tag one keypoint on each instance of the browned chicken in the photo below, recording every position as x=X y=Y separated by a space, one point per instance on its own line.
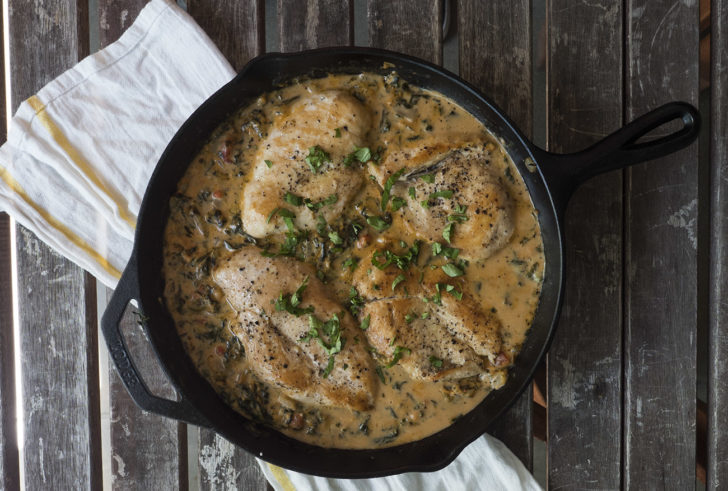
x=457 y=189
x=437 y=335
x=296 y=336
x=305 y=154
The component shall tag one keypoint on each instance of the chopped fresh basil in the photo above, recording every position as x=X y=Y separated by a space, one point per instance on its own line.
x=412 y=193
x=365 y=322
x=283 y=212
x=337 y=133
x=293 y=199
x=436 y=248
x=388 y=187
x=350 y=263
x=335 y=238
x=268 y=163
x=446 y=193
x=428 y=178
x=398 y=203
x=329 y=367
x=425 y=315
x=409 y=318
x=380 y=374
x=435 y=362
x=378 y=223
x=399 y=279
x=330 y=200
x=290 y=302
x=447 y=233
x=399 y=351
x=316 y=158
x=452 y=270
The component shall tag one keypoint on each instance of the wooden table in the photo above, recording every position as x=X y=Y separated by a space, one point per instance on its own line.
x=645 y=314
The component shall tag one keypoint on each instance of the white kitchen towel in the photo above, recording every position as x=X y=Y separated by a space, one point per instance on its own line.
x=77 y=161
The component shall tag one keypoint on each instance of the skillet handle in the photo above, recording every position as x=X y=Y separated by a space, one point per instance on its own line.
x=565 y=172
x=127 y=290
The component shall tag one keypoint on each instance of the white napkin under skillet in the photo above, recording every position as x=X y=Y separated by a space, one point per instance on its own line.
x=77 y=161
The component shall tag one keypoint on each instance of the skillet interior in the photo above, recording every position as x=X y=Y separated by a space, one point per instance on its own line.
x=267 y=73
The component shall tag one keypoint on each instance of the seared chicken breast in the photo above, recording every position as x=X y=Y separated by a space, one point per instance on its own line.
x=445 y=336
x=304 y=154
x=458 y=191
x=294 y=334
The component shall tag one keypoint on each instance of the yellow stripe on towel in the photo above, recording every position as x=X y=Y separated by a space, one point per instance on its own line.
x=60 y=138
x=18 y=189
x=282 y=477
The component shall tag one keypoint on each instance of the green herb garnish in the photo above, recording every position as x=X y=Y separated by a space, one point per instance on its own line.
x=378 y=223
x=428 y=178
x=446 y=193
x=268 y=163
x=435 y=362
x=365 y=322
x=452 y=270
x=399 y=351
x=290 y=303
x=388 y=187
x=316 y=158
x=447 y=232
x=337 y=133
x=399 y=279
x=335 y=238
x=293 y=199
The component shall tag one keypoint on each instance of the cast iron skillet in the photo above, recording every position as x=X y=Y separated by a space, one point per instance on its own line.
x=550 y=179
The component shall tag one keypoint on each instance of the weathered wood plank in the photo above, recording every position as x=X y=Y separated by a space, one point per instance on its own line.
x=9 y=464
x=57 y=334
x=236 y=28
x=413 y=27
x=584 y=93
x=316 y=24
x=115 y=16
x=146 y=449
x=495 y=56
x=718 y=338
x=660 y=256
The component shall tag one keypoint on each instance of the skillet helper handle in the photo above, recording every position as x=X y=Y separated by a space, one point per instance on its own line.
x=127 y=290
x=565 y=172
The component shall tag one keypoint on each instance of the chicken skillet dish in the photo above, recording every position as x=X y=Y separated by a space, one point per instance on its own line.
x=353 y=261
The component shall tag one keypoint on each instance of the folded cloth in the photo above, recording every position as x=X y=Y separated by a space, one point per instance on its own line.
x=80 y=153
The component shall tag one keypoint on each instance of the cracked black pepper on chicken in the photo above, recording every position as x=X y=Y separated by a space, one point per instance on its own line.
x=353 y=261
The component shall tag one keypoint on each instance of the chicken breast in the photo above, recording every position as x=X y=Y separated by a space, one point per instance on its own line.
x=460 y=194
x=324 y=127
x=294 y=334
x=444 y=336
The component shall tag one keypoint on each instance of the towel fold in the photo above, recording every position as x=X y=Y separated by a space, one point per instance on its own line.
x=77 y=161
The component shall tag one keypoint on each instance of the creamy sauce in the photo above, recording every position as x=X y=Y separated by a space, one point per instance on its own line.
x=205 y=227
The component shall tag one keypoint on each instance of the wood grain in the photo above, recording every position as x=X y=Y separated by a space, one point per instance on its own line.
x=584 y=91
x=413 y=27
x=495 y=56
x=115 y=16
x=718 y=323
x=237 y=28
x=315 y=24
x=9 y=464
x=57 y=335
x=145 y=447
x=661 y=200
